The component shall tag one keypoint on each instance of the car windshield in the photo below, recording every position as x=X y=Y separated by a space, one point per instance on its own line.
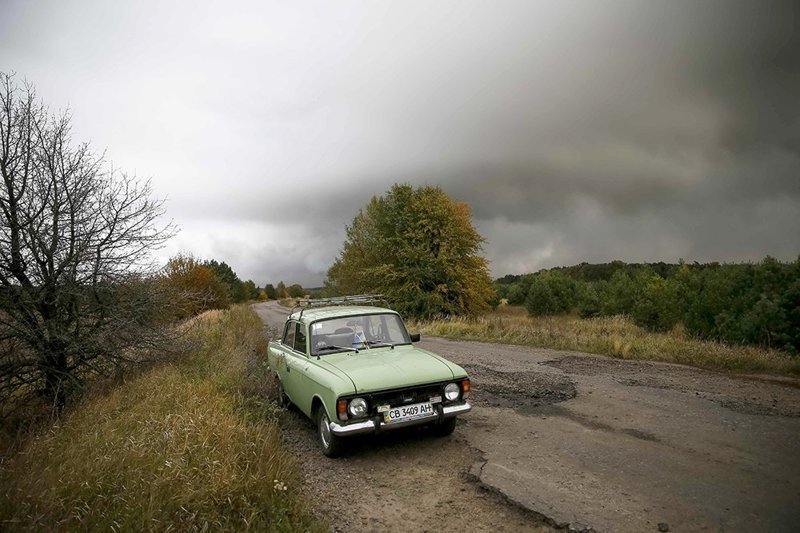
x=357 y=333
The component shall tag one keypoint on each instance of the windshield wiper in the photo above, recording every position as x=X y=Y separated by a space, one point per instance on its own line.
x=379 y=343
x=332 y=347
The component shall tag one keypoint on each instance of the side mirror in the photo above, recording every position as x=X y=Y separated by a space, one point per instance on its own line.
x=415 y=337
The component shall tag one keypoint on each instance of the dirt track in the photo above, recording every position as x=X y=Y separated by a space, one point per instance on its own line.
x=582 y=440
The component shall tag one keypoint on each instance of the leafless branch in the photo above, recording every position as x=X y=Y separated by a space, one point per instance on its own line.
x=76 y=295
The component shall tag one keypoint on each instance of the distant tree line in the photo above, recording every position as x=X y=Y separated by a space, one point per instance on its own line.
x=735 y=303
x=203 y=285
x=281 y=291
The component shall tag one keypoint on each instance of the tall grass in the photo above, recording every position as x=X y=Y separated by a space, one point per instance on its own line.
x=613 y=336
x=192 y=445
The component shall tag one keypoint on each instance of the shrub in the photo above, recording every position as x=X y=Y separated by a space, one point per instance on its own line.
x=739 y=303
x=655 y=306
x=551 y=293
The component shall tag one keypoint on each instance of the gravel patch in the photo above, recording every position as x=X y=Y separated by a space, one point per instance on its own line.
x=401 y=481
x=518 y=390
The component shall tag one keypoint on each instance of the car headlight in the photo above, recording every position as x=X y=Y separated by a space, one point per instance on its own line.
x=358 y=407
x=451 y=391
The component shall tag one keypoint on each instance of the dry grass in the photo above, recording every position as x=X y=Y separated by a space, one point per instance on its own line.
x=613 y=336
x=191 y=445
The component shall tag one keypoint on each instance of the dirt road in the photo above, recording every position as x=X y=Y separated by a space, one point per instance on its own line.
x=585 y=441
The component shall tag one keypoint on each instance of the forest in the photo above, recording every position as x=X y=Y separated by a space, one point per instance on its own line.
x=745 y=303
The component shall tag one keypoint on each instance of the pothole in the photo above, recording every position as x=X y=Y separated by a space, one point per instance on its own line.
x=647 y=381
x=593 y=366
x=518 y=390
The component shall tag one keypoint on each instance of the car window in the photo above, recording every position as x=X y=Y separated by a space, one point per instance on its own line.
x=288 y=334
x=300 y=338
x=385 y=329
x=327 y=335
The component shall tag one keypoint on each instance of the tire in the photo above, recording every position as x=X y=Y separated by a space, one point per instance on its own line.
x=331 y=445
x=445 y=428
x=282 y=400
x=277 y=394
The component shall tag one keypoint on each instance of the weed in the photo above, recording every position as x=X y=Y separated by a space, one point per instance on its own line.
x=615 y=336
x=190 y=445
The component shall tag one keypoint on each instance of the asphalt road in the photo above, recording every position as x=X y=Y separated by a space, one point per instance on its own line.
x=593 y=442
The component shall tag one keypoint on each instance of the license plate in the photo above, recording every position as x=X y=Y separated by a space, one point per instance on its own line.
x=408 y=412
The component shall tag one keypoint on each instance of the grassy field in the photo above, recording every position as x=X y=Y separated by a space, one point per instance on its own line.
x=189 y=445
x=613 y=336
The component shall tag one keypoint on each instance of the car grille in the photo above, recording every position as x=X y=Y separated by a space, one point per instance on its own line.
x=403 y=396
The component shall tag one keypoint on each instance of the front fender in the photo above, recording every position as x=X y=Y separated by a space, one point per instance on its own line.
x=328 y=402
x=322 y=384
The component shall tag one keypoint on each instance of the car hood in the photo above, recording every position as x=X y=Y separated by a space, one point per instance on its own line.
x=386 y=368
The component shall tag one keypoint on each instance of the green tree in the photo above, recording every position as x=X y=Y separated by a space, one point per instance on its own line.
x=249 y=290
x=518 y=292
x=620 y=292
x=551 y=293
x=269 y=289
x=419 y=248
x=237 y=293
x=735 y=303
x=789 y=337
x=591 y=297
x=656 y=306
x=296 y=291
x=280 y=290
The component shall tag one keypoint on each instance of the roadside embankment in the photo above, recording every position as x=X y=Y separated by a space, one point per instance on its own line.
x=192 y=444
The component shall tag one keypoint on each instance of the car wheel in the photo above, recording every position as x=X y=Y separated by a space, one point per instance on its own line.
x=444 y=428
x=332 y=445
x=282 y=400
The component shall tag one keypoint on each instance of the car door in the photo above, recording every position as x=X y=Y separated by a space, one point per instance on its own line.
x=295 y=376
x=302 y=381
x=294 y=363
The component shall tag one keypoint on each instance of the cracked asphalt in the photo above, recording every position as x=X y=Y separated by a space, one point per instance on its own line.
x=570 y=440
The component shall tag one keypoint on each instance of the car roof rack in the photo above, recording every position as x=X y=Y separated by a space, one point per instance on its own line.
x=355 y=299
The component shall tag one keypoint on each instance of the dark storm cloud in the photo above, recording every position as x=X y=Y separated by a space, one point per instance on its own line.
x=682 y=142
x=577 y=130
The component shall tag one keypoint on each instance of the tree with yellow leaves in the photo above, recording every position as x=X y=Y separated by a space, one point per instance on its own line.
x=417 y=247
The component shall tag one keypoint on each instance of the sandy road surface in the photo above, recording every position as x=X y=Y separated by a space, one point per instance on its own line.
x=585 y=441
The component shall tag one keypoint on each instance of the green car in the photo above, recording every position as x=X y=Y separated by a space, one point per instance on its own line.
x=353 y=370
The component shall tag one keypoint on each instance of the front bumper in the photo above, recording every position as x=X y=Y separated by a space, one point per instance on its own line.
x=374 y=425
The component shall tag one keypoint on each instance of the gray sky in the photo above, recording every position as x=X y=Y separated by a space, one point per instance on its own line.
x=578 y=131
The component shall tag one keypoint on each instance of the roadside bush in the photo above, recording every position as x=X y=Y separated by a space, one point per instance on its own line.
x=614 y=336
x=551 y=293
x=655 y=306
x=619 y=295
x=195 y=285
x=591 y=301
x=747 y=304
x=296 y=291
x=518 y=293
x=755 y=304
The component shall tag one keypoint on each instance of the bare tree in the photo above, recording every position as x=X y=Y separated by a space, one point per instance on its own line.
x=75 y=235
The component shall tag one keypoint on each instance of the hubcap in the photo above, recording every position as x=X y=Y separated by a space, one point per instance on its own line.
x=325 y=430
